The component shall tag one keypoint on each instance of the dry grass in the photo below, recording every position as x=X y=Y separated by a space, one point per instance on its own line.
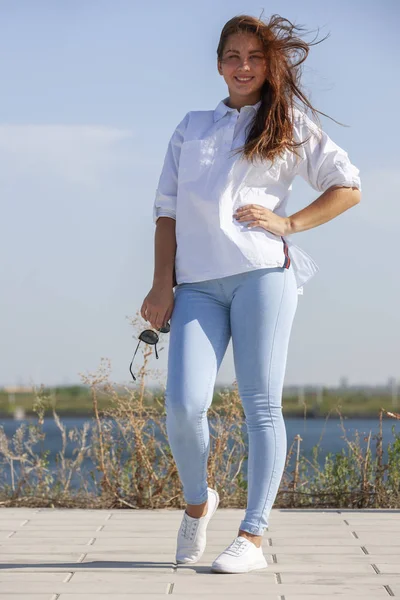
x=133 y=467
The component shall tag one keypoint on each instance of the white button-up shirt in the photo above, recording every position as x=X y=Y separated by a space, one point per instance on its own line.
x=202 y=184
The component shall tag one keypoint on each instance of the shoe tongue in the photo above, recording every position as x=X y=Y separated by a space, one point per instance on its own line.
x=241 y=537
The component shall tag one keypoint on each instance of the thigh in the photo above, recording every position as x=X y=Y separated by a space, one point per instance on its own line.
x=199 y=336
x=262 y=313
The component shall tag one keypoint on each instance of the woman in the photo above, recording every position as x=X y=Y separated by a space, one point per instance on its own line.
x=224 y=268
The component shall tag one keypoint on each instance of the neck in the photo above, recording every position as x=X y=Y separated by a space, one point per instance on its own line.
x=238 y=103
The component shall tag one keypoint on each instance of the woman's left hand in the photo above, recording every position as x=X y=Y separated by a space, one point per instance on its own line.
x=259 y=216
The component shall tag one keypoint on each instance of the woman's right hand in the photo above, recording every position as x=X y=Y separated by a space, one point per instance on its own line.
x=158 y=305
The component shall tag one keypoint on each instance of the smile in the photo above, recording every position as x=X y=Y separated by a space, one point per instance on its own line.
x=244 y=79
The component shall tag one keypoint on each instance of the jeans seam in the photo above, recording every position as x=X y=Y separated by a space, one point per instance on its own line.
x=268 y=394
x=219 y=345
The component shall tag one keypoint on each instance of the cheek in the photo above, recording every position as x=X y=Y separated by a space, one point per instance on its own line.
x=229 y=73
x=261 y=73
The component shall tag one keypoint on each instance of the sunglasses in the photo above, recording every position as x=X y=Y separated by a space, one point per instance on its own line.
x=148 y=336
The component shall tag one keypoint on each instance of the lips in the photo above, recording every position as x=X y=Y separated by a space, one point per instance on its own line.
x=246 y=81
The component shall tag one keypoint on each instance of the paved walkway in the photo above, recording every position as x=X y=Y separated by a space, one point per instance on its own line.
x=48 y=554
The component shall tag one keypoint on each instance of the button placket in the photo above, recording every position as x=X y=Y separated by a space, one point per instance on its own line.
x=230 y=131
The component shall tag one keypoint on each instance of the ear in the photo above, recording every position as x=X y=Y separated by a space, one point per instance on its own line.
x=219 y=67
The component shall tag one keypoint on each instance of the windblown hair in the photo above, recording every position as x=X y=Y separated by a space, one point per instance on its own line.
x=272 y=130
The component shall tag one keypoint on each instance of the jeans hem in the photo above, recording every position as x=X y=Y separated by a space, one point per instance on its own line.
x=251 y=528
x=198 y=502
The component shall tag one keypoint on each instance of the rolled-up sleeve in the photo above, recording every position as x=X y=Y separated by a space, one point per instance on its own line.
x=166 y=192
x=323 y=163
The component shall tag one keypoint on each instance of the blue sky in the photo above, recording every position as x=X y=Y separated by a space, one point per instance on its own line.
x=91 y=93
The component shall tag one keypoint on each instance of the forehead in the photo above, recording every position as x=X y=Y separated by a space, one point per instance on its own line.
x=243 y=42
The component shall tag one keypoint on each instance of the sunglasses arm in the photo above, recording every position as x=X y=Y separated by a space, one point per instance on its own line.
x=130 y=366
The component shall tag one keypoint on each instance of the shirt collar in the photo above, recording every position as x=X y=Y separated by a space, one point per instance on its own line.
x=222 y=108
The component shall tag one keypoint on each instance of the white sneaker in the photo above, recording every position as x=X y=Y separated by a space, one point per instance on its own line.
x=241 y=556
x=191 y=541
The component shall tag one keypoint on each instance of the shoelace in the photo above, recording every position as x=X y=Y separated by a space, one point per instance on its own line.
x=237 y=547
x=189 y=528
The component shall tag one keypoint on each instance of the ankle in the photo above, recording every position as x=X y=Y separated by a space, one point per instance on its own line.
x=197 y=511
x=256 y=539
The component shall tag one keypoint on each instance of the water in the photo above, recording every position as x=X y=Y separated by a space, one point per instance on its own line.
x=310 y=431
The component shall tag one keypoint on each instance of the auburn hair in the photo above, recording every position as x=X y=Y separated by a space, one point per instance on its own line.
x=271 y=132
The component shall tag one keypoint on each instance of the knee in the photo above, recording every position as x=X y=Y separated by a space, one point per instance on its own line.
x=186 y=413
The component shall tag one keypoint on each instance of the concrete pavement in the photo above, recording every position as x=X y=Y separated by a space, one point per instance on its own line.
x=57 y=554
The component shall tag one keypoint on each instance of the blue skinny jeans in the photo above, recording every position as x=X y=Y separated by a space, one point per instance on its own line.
x=256 y=309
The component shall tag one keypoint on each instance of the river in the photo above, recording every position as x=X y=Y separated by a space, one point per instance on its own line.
x=309 y=429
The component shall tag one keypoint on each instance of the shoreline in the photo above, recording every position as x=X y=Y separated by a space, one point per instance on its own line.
x=293 y=415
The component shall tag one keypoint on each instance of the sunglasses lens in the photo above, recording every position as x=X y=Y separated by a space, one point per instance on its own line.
x=148 y=336
x=165 y=329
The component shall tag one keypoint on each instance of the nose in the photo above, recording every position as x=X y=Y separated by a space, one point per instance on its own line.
x=244 y=64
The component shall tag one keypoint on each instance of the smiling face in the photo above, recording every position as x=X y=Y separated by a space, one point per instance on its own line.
x=244 y=68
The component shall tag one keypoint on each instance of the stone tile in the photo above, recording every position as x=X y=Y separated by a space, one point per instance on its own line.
x=204 y=566
x=114 y=597
x=145 y=547
x=53 y=587
x=384 y=550
x=311 y=559
x=337 y=578
x=11 y=525
x=133 y=534
x=31 y=526
x=376 y=527
x=56 y=548
x=33 y=577
x=377 y=539
x=94 y=567
x=30 y=542
x=185 y=587
x=340 y=542
x=204 y=575
x=338 y=550
x=4 y=535
x=334 y=596
x=25 y=596
x=141 y=529
x=111 y=577
x=133 y=555
x=71 y=516
x=318 y=536
x=395 y=587
x=38 y=558
x=388 y=568
x=54 y=533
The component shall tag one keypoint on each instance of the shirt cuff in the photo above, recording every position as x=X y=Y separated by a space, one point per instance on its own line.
x=163 y=212
x=345 y=175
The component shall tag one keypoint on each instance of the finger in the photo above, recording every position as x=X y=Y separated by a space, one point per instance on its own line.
x=160 y=322
x=154 y=320
x=256 y=223
x=245 y=215
x=168 y=315
x=253 y=212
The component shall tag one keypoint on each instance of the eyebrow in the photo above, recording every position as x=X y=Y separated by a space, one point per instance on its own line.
x=251 y=51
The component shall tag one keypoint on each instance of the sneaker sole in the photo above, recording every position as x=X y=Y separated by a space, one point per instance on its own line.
x=259 y=565
x=191 y=562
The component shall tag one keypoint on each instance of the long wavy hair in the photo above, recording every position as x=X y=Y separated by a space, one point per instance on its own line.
x=271 y=132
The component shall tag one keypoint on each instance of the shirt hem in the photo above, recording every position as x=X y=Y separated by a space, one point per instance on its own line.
x=210 y=276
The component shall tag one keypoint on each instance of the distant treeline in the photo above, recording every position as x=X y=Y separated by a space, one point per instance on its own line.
x=76 y=400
